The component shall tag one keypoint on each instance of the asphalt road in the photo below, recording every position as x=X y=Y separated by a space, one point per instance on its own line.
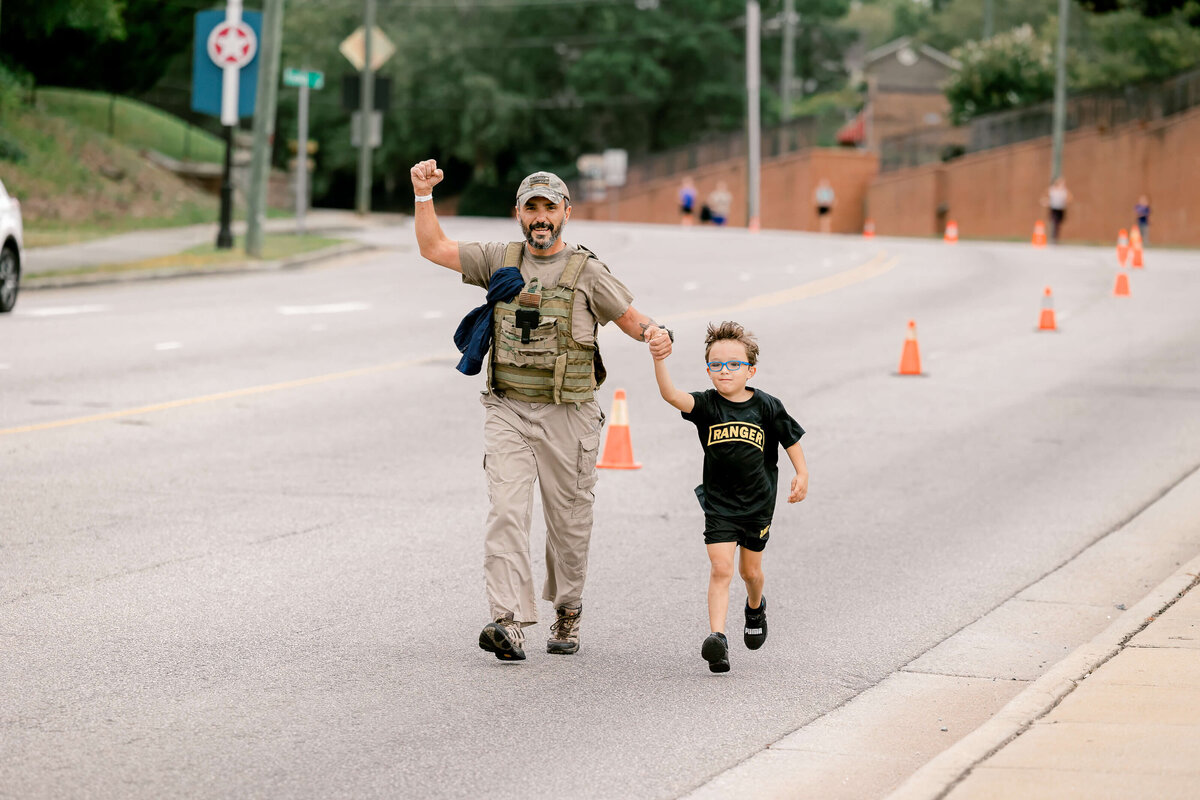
x=240 y=516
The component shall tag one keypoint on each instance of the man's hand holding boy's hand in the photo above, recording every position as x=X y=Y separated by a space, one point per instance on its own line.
x=799 y=488
x=660 y=342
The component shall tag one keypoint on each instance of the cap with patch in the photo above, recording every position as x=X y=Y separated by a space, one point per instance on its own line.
x=543 y=184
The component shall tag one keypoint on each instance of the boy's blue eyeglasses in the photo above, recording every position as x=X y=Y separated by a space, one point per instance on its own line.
x=732 y=366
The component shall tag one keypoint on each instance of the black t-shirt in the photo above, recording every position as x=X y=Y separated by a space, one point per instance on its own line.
x=741 y=444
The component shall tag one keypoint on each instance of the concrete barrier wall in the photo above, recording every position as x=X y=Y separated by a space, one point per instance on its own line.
x=788 y=183
x=997 y=193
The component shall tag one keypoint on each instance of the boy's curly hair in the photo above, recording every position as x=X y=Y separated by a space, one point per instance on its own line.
x=734 y=333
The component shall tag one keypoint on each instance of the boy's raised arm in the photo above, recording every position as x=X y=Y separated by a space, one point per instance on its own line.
x=799 y=489
x=681 y=400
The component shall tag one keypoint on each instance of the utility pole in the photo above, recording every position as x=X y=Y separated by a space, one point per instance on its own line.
x=989 y=18
x=366 y=110
x=264 y=124
x=1060 y=91
x=789 y=59
x=753 y=124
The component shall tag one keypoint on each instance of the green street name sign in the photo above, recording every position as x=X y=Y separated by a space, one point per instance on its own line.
x=299 y=77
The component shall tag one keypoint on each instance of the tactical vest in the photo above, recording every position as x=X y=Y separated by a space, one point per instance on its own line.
x=534 y=355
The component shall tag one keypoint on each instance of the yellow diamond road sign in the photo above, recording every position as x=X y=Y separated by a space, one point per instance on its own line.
x=354 y=48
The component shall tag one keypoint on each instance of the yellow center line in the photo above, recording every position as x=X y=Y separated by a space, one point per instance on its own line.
x=863 y=272
x=212 y=398
x=871 y=269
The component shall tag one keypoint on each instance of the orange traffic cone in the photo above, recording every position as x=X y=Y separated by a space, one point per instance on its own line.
x=1137 y=258
x=951 y=232
x=1121 y=287
x=1135 y=247
x=910 y=359
x=1039 y=234
x=754 y=225
x=1046 y=323
x=618 y=446
x=1122 y=246
x=869 y=228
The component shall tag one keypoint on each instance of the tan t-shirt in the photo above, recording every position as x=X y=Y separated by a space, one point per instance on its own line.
x=604 y=297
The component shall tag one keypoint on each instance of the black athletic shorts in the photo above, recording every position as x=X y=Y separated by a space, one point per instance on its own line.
x=822 y=210
x=747 y=533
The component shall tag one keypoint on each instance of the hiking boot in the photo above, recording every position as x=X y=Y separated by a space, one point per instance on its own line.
x=756 y=624
x=715 y=651
x=504 y=638
x=564 y=631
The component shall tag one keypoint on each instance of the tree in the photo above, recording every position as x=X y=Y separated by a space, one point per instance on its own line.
x=1009 y=70
x=120 y=46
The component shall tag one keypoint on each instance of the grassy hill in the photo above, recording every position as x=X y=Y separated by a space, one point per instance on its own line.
x=133 y=123
x=75 y=182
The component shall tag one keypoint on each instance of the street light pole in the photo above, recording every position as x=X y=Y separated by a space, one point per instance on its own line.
x=366 y=109
x=988 y=18
x=789 y=60
x=753 y=124
x=1060 y=91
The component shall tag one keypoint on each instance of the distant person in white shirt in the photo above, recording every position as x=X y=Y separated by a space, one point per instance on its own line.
x=1056 y=199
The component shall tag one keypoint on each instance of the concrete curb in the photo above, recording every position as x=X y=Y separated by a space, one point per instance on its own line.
x=49 y=280
x=939 y=776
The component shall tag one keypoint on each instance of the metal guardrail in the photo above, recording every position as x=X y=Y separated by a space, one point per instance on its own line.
x=1099 y=109
x=789 y=137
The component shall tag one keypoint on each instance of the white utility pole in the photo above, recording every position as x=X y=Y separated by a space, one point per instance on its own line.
x=753 y=123
x=1060 y=92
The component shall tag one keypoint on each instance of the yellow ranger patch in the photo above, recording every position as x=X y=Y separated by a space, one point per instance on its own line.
x=736 y=432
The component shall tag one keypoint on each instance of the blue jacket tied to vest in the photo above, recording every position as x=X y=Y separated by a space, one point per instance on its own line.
x=474 y=335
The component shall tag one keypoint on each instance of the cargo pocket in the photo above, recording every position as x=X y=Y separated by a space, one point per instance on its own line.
x=586 y=473
x=538 y=352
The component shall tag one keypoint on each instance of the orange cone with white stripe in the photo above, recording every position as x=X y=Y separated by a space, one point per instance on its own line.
x=1039 y=234
x=618 y=444
x=1047 y=322
x=869 y=229
x=951 y=232
x=910 y=359
x=1122 y=246
x=1135 y=247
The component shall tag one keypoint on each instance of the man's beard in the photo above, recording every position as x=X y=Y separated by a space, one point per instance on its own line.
x=555 y=232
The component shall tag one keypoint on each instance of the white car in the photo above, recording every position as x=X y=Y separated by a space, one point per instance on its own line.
x=10 y=254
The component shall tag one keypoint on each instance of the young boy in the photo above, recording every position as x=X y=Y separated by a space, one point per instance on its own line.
x=740 y=430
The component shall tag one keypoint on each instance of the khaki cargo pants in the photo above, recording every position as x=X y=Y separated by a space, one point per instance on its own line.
x=556 y=445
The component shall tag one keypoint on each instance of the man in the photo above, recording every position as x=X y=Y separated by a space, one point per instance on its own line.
x=541 y=418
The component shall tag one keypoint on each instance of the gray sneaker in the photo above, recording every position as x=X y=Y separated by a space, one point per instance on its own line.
x=564 y=631
x=504 y=638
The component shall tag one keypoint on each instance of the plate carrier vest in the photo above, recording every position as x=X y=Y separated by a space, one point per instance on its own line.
x=534 y=356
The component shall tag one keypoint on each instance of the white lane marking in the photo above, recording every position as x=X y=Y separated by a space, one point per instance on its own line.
x=327 y=308
x=61 y=311
x=691 y=286
x=432 y=315
x=168 y=346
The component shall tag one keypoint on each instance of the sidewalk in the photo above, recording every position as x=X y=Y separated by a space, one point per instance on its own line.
x=1118 y=718
x=139 y=245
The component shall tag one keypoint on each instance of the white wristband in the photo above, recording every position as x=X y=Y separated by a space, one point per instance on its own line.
x=422 y=198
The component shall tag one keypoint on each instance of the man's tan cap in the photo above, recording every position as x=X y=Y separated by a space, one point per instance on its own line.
x=543 y=184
